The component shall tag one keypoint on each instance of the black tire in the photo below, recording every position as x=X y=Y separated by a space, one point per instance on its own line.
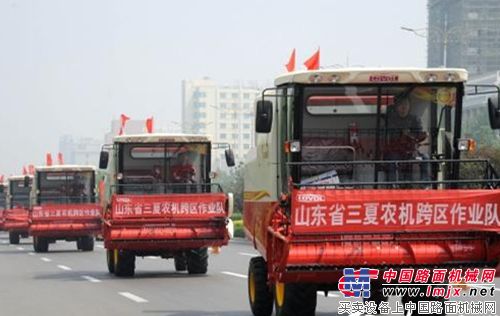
x=86 y=243
x=180 y=262
x=298 y=299
x=110 y=260
x=197 y=261
x=14 y=238
x=260 y=295
x=124 y=263
x=376 y=296
x=79 y=243
x=40 y=244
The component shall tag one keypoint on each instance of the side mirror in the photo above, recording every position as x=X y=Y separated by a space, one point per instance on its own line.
x=229 y=157
x=103 y=160
x=26 y=183
x=494 y=113
x=263 y=116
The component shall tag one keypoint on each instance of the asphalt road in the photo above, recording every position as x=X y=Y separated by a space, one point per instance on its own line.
x=67 y=282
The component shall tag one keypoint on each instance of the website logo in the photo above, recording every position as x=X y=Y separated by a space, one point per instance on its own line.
x=356 y=283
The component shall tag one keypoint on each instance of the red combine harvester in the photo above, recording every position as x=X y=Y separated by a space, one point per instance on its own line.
x=362 y=168
x=3 y=204
x=160 y=201
x=64 y=207
x=16 y=217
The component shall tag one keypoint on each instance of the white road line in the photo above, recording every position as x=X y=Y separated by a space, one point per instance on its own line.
x=91 y=279
x=20 y=248
x=100 y=246
x=45 y=259
x=5 y=242
x=248 y=254
x=152 y=257
x=66 y=268
x=31 y=253
x=235 y=274
x=133 y=297
x=329 y=294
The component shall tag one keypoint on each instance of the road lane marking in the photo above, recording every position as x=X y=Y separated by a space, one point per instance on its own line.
x=235 y=274
x=100 y=246
x=5 y=242
x=20 y=248
x=62 y=267
x=152 y=257
x=248 y=254
x=31 y=253
x=45 y=259
x=329 y=294
x=133 y=297
x=91 y=279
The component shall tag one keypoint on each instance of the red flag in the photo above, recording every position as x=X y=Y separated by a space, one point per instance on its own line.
x=31 y=169
x=48 y=159
x=291 y=62
x=149 y=125
x=25 y=172
x=123 y=121
x=60 y=159
x=313 y=62
x=1 y=179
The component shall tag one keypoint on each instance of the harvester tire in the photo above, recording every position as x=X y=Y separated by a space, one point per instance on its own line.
x=180 y=262
x=124 y=263
x=110 y=260
x=260 y=295
x=86 y=243
x=197 y=261
x=295 y=299
x=14 y=238
x=40 y=244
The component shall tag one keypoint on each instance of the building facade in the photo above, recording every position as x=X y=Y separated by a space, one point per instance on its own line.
x=225 y=113
x=80 y=151
x=465 y=34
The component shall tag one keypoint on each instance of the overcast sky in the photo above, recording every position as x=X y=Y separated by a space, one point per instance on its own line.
x=70 y=67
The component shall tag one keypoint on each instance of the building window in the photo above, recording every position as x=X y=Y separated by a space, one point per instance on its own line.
x=235 y=146
x=472 y=15
x=235 y=105
x=235 y=136
x=246 y=126
x=234 y=95
x=222 y=136
x=222 y=125
x=199 y=94
x=222 y=95
x=223 y=106
x=246 y=146
x=246 y=96
x=222 y=115
x=235 y=126
x=235 y=116
x=246 y=106
x=199 y=105
x=246 y=136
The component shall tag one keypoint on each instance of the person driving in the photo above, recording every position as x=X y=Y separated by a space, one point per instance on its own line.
x=405 y=133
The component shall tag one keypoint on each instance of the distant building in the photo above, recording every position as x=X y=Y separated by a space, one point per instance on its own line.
x=226 y=113
x=471 y=30
x=80 y=151
x=131 y=127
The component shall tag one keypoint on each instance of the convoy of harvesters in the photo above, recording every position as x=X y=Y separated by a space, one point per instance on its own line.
x=336 y=180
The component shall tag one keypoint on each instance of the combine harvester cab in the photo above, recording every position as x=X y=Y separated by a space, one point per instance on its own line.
x=3 y=204
x=362 y=168
x=160 y=202
x=16 y=216
x=64 y=206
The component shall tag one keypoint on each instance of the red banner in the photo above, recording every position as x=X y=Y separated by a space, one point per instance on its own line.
x=395 y=210
x=192 y=206
x=66 y=211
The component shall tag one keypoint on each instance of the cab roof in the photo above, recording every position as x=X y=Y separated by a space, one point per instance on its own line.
x=373 y=76
x=18 y=177
x=161 y=138
x=62 y=168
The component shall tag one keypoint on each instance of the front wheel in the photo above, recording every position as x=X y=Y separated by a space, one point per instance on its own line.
x=124 y=263
x=180 y=262
x=260 y=295
x=86 y=243
x=197 y=261
x=110 y=260
x=295 y=299
x=14 y=238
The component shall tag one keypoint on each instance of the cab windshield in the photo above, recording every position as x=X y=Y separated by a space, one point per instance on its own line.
x=66 y=187
x=164 y=168
x=392 y=125
x=20 y=195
